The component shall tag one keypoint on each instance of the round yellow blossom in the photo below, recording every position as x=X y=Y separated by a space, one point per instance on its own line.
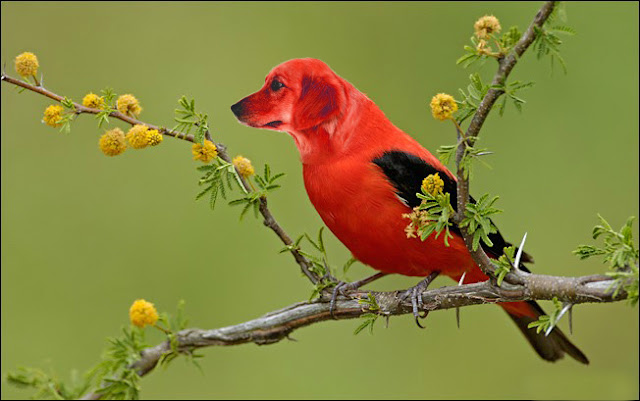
x=129 y=105
x=94 y=101
x=138 y=137
x=443 y=106
x=244 y=166
x=433 y=184
x=154 y=137
x=27 y=64
x=487 y=25
x=204 y=153
x=112 y=142
x=53 y=115
x=143 y=313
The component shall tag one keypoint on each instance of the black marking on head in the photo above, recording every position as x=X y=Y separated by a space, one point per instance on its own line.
x=406 y=171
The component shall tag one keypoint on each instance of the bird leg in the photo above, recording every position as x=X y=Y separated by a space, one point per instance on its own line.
x=416 y=296
x=344 y=288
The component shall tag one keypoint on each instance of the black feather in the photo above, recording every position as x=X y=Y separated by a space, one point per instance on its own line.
x=406 y=171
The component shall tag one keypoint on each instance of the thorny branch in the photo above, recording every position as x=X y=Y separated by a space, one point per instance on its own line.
x=278 y=325
x=269 y=220
x=505 y=66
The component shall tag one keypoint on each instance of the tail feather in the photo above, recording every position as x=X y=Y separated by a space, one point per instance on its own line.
x=551 y=347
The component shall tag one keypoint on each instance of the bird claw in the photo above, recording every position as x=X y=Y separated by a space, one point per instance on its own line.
x=344 y=288
x=416 y=297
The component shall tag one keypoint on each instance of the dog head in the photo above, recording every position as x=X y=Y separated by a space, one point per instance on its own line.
x=298 y=95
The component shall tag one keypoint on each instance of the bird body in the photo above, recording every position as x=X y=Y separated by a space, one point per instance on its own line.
x=362 y=174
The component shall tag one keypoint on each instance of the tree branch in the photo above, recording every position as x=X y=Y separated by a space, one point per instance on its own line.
x=505 y=66
x=278 y=325
x=269 y=220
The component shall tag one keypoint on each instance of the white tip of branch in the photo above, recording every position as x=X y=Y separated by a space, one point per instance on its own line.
x=570 y=320
x=458 y=309
x=519 y=254
x=565 y=308
x=462 y=279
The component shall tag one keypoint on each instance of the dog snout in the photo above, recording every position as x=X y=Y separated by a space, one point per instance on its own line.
x=237 y=109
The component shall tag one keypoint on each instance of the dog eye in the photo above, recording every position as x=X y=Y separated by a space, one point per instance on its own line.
x=276 y=85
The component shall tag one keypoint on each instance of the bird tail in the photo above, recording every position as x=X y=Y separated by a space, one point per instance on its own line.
x=551 y=347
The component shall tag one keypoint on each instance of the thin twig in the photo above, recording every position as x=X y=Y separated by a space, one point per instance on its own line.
x=269 y=220
x=505 y=66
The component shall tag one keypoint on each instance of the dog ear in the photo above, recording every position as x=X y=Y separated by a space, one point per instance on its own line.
x=317 y=103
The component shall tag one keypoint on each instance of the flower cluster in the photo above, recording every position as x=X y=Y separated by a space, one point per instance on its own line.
x=443 y=106
x=154 y=137
x=419 y=218
x=112 y=142
x=93 y=101
x=143 y=313
x=205 y=153
x=140 y=136
x=53 y=115
x=27 y=64
x=244 y=166
x=486 y=26
x=433 y=184
x=129 y=105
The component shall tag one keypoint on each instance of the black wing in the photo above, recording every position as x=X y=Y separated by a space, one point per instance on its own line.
x=406 y=171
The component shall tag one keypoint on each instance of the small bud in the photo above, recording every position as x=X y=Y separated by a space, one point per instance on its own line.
x=244 y=166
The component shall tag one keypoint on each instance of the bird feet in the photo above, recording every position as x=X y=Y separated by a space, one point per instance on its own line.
x=416 y=297
x=344 y=288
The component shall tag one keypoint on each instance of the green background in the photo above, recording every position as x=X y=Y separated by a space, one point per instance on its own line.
x=84 y=235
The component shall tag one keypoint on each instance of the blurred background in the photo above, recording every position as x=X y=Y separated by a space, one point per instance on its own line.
x=83 y=235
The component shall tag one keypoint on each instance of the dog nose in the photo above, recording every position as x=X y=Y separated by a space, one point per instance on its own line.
x=237 y=109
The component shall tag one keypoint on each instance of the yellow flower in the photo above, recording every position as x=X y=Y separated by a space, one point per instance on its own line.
x=419 y=219
x=443 y=106
x=129 y=105
x=143 y=313
x=27 y=64
x=112 y=142
x=138 y=137
x=53 y=115
x=487 y=25
x=93 y=101
x=154 y=137
x=204 y=153
x=243 y=165
x=433 y=184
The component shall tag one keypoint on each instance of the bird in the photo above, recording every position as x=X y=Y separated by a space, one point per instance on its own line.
x=362 y=174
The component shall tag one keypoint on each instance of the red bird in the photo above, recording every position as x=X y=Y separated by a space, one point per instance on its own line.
x=362 y=174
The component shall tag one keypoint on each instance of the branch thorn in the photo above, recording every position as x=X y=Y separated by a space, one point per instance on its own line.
x=519 y=254
x=458 y=308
